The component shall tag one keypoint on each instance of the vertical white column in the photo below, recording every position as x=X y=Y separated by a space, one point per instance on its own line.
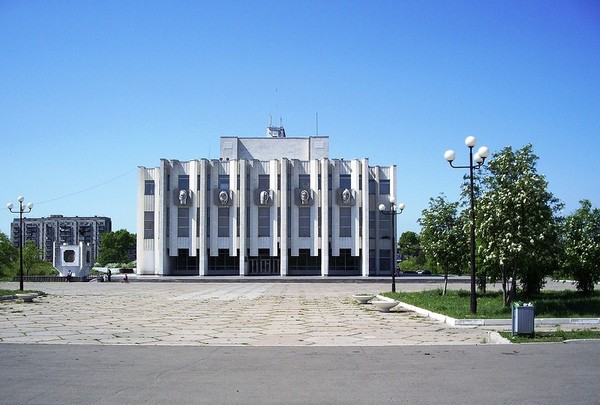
x=314 y=209
x=364 y=201
x=203 y=197
x=194 y=187
x=243 y=242
x=238 y=199
x=283 y=202
x=325 y=204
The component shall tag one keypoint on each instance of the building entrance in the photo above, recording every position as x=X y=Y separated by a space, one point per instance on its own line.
x=264 y=266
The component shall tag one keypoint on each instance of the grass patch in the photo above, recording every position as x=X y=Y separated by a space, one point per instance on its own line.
x=557 y=336
x=456 y=304
x=13 y=292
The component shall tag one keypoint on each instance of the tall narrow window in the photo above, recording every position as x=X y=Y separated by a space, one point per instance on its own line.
x=345 y=222
x=264 y=221
x=207 y=221
x=223 y=182
x=149 y=187
x=263 y=181
x=372 y=186
x=345 y=181
x=304 y=181
x=183 y=222
x=183 y=182
x=372 y=225
x=223 y=225
x=148 y=224
x=384 y=186
x=385 y=222
x=304 y=222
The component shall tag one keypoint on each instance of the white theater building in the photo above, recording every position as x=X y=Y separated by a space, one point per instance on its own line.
x=270 y=206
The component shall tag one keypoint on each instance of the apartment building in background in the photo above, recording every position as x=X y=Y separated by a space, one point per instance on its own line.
x=62 y=230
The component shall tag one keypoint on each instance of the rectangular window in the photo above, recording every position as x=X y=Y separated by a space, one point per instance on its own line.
x=264 y=221
x=345 y=221
x=148 y=224
x=183 y=182
x=168 y=221
x=372 y=225
x=223 y=224
x=304 y=222
x=385 y=222
x=223 y=182
x=304 y=181
x=384 y=186
x=372 y=186
x=385 y=262
x=183 y=222
x=263 y=181
x=345 y=181
x=149 y=187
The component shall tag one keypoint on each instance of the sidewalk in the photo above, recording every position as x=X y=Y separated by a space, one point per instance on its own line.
x=221 y=314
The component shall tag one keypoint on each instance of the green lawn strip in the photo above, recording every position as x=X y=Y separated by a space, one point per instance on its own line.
x=557 y=336
x=548 y=304
x=13 y=292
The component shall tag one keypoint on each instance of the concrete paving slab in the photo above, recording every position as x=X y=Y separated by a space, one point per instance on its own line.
x=246 y=314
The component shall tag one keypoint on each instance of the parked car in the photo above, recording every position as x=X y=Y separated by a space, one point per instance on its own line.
x=424 y=272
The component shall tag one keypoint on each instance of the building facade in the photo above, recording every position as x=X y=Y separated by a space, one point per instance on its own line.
x=274 y=205
x=62 y=230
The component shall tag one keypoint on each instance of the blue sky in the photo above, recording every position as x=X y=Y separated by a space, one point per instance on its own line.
x=90 y=90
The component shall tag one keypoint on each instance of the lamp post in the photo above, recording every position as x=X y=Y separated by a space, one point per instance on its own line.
x=393 y=211
x=21 y=211
x=478 y=159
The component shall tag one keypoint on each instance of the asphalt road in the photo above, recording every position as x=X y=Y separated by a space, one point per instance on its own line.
x=490 y=374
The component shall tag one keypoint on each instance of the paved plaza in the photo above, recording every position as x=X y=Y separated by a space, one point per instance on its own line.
x=220 y=314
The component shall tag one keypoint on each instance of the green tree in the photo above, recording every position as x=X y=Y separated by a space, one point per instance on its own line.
x=516 y=222
x=32 y=256
x=581 y=243
x=409 y=244
x=9 y=254
x=114 y=247
x=443 y=237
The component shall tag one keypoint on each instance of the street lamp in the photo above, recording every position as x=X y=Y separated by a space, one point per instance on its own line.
x=393 y=211
x=478 y=158
x=21 y=211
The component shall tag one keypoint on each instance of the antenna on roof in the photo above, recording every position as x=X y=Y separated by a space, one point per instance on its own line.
x=317 y=122
x=275 y=132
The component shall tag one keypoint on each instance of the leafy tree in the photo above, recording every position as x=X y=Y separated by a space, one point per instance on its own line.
x=516 y=222
x=442 y=236
x=581 y=242
x=409 y=244
x=114 y=247
x=32 y=256
x=9 y=254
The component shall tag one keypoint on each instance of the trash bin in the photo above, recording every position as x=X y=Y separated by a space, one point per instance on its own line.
x=523 y=319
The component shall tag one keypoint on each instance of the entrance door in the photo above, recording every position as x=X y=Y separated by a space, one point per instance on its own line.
x=264 y=266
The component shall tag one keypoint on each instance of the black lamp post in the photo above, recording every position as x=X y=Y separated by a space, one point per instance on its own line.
x=478 y=158
x=21 y=211
x=393 y=212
